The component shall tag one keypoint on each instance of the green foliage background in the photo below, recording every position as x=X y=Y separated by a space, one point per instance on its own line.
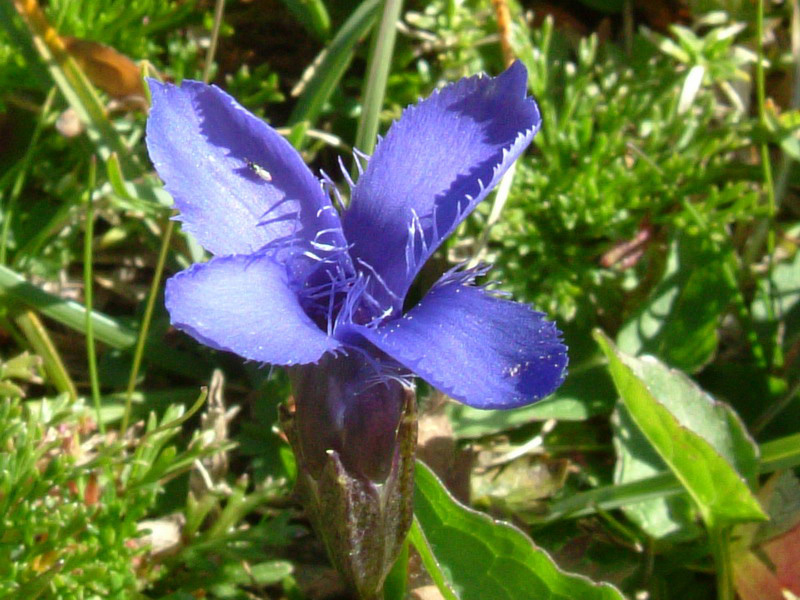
x=645 y=209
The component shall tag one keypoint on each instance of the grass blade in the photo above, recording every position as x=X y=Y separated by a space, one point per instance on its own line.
x=331 y=63
x=380 y=61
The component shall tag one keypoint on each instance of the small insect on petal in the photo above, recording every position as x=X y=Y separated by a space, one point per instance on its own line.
x=258 y=170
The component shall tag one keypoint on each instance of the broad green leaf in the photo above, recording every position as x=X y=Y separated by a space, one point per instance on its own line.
x=696 y=411
x=678 y=323
x=709 y=477
x=480 y=558
x=673 y=516
x=583 y=395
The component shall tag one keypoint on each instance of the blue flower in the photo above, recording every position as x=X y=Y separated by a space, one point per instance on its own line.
x=294 y=282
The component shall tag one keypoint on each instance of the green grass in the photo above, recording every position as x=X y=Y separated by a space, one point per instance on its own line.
x=657 y=204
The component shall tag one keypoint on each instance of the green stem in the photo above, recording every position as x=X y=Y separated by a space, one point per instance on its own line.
x=719 y=539
x=776 y=360
x=380 y=62
x=88 y=294
x=148 y=314
x=219 y=8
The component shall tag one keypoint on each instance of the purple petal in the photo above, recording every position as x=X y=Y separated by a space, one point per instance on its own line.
x=244 y=305
x=238 y=184
x=481 y=350
x=436 y=163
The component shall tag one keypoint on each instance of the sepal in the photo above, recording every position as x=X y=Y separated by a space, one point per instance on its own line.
x=363 y=523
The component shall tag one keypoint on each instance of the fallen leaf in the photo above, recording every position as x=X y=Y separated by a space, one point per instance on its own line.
x=766 y=569
x=108 y=69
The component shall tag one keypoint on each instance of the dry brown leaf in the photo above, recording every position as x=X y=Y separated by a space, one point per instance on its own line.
x=108 y=69
x=427 y=592
x=766 y=569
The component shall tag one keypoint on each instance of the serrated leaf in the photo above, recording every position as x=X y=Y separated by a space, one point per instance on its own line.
x=481 y=558
x=678 y=323
x=719 y=490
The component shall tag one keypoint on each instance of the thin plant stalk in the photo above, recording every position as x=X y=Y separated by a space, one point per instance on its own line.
x=740 y=303
x=88 y=293
x=776 y=360
x=380 y=61
x=219 y=9
x=778 y=454
x=782 y=177
x=766 y=164
x=148 y=315
x=774 y=409
x=719 y=539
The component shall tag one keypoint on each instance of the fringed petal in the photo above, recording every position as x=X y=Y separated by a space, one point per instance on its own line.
x=433 y=167
x=240 y=187
x=477 y=348
x=245 y=305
